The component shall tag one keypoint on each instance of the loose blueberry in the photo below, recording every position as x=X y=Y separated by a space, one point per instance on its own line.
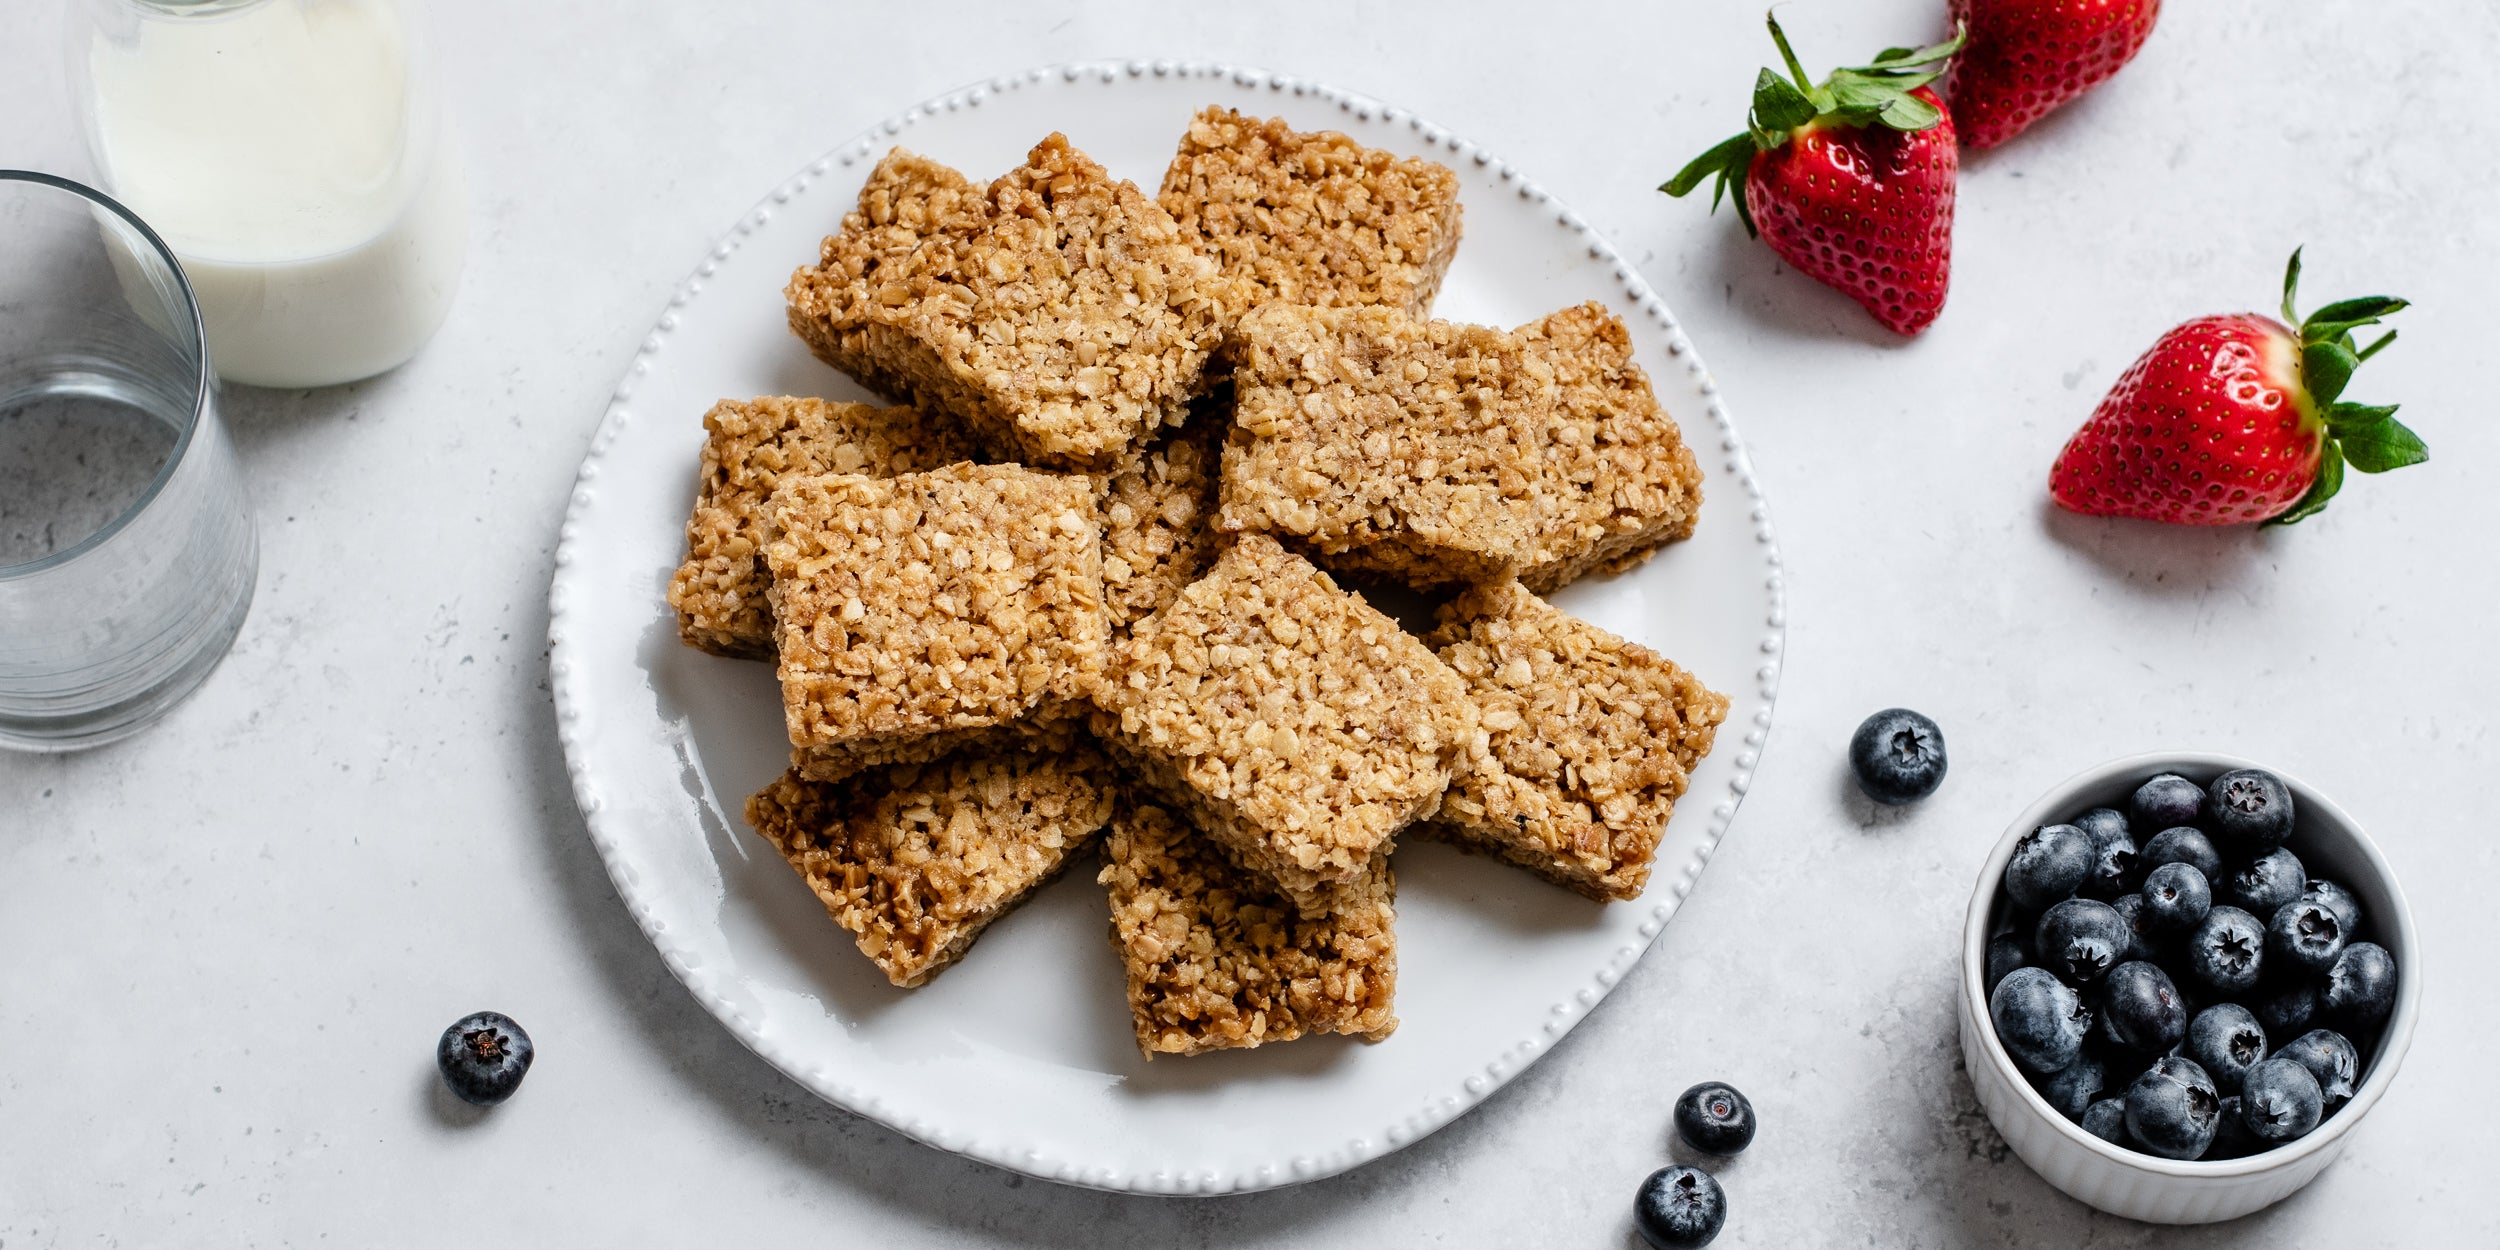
x=2227 y=952
x=2251 y=807
x=2049 y=863
x=2074 y=1090
x=2140 y=944
x=1898 y=756
x=483 y=1057
x=2107 y=1120
x=2113 y=854
x=2288 y=1012
x=1679 y=1207
x=2144 y=1009
x=2040 y=1020
x=2079 y=939
x=2005 y=954
x=2232 y=1140
x=2360 y=986
x=2226 y=1041
x=2166 y=802
x=2305 y=935
x=2281 y=1101
x=2263 y=885
x=2331 y=1060
x=2338 y=900
x=1714 y=1118
x=2176 y=900
x=2181 y=846
x=2172 y=1109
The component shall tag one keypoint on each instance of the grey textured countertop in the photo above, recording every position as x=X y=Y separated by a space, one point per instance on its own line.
x=230 y=942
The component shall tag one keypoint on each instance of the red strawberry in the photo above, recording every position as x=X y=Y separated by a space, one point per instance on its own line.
x=2239 y=418
x=2026 y=57
x=1850 y=181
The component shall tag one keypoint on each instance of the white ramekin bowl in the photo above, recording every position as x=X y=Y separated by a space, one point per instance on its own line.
x=2147 y=1187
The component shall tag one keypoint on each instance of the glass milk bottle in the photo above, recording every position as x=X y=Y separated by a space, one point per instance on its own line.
x=293 y=154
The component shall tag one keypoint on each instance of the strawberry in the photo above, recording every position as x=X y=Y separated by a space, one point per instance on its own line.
x=1850 y=181
x=2238 y=418
x=2026 y=57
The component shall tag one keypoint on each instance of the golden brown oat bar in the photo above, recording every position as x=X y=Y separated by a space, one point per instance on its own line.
x=1313 y=218
x=1064 y=328
x=719 y=592
x=1216 y=959
x=908 y=200
x=1591 y=740
x=1158 y=520
x=1385 y=444
x=1290 y=720
x=918 y=859
x=959 y=599
x=1620 y=480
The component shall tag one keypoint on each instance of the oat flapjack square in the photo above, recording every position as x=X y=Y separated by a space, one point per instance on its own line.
x=1589 y=738
x=916 y=859
x=1294 y=723
x=1312 y=218
x=1216 y=959
x=1384 y=444
x=1060 y=322
x=950 y=602
x=1619 y=479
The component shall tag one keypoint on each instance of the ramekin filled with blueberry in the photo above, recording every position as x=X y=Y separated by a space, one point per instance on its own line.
x=2185 y=979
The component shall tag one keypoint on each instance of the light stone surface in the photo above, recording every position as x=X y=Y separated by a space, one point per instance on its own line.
x=230 y=942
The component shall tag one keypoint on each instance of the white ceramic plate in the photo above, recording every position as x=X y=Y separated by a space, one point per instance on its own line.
x=1022 y=1055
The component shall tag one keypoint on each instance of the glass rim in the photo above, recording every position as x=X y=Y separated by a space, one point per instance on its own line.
x=203 y=381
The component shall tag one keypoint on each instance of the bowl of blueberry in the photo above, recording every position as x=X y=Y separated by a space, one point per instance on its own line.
x=2185 y=979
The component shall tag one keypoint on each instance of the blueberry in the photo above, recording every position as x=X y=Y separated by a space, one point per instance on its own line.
x=2227 y=952
x=2130 y=908
x=2250 y=806
x=2049 y=863
x=2005 y=954
x=1679 y=1207
x=2166 y=802
x=2113 y=854
x=1715 y=1118
x=2226 y=1041
x=2176 y=900
x=2288 y=1012
x=2262 y=885
x=2040 y=1020
x=2079 y=939
x=2338 y=900
x=1898 y=756
x=483 y=1057
x=2331 y=1061
x=2107 y=1120
x=2172 y=1109
x=2305 y=935
x=2181 y=845
x=2074 y=1090
x=2281 y=1101
x=2144 y=1009
x=2232 y=1140
x=2360 y=986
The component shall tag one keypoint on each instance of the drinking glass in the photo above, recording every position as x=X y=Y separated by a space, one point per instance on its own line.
x=127 y=554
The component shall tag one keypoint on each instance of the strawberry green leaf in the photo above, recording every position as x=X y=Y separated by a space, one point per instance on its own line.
x=2291 y=288
x=2362 y=311
x=2384 y=445
x=1778 y=105
x=1908 y=58
x=1714 y=161
x=1911 y=113
x=2330 y=480
x=2344 y=420
x=2325 y=369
